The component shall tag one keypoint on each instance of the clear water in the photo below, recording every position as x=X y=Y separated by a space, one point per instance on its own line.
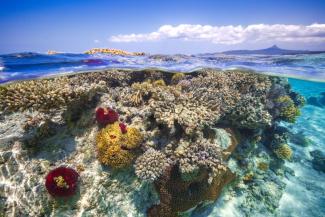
x=305 y=192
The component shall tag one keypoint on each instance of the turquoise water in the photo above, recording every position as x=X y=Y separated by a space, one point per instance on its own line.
x=305 y=192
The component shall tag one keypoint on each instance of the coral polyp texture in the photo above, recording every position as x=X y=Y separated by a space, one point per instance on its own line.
x=175 y=143
x=62 y=182
x=151 y=165
x=116 y=146
x=284 y=152
x=45 y=95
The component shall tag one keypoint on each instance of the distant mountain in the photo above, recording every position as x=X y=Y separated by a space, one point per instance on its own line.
x=274 y=50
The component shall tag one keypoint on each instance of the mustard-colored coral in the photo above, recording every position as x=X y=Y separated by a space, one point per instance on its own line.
x=263 y=166
x=60 y=182
x=177 y=77
x=134 y=138
x=284 y=152
x=159 y=82
x=115 y=148
x=288 y=110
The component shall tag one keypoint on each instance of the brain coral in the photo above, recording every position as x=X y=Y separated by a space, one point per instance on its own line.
x=151 y=165
x=115 y=146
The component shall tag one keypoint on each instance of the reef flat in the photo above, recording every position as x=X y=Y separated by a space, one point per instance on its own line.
x=145 y=142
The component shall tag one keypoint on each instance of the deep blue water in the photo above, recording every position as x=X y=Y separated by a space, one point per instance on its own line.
x=32 y=65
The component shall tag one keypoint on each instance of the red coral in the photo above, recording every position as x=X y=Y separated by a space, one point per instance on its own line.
x=106 y=116
x=62 y=182
x=123 y=128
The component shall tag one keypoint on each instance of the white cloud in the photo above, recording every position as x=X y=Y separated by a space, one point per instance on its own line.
x=96 y=41
x=231 y=34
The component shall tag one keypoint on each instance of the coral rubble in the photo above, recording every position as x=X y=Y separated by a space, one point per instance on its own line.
x=186 y=135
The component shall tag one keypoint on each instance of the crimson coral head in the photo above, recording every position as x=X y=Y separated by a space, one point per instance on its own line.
x=123 y=128
x=106 y=116
x=62 y=182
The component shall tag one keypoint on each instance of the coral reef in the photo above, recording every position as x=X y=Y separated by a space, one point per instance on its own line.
x=188 y=135
x=62 y=182
x=151 y=165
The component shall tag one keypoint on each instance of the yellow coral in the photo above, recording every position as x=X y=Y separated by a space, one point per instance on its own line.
x=289 y=111
x=114 y=147
x=177 y=77
x=284 y=152
x=159 y=82
x=60 y=182
x=263 y=166
x=115 y=157
x=134 y=138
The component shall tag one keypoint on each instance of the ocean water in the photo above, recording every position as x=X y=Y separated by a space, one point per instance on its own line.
x=304 y=194
x=33 y=65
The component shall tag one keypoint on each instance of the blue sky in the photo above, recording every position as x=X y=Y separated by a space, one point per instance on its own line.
x=168 y=26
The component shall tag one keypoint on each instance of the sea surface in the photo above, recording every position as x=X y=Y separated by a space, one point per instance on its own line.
x=305 y=192
x=29 y=65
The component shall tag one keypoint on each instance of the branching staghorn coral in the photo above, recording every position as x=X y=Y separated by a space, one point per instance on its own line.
x=151 y=165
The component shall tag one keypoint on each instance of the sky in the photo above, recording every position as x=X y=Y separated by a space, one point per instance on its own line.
x=166 y=26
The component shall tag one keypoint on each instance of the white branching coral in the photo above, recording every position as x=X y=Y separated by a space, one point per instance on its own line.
x=151 y=165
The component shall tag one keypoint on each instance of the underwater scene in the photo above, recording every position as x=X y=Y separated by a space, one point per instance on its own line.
x=113 y=133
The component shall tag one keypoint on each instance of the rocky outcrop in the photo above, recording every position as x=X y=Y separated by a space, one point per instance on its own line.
x=113 y=52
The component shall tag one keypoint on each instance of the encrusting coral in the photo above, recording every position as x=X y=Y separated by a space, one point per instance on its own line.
x=151 y=165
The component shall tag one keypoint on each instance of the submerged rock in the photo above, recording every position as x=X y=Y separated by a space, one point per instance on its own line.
x=318 y=161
